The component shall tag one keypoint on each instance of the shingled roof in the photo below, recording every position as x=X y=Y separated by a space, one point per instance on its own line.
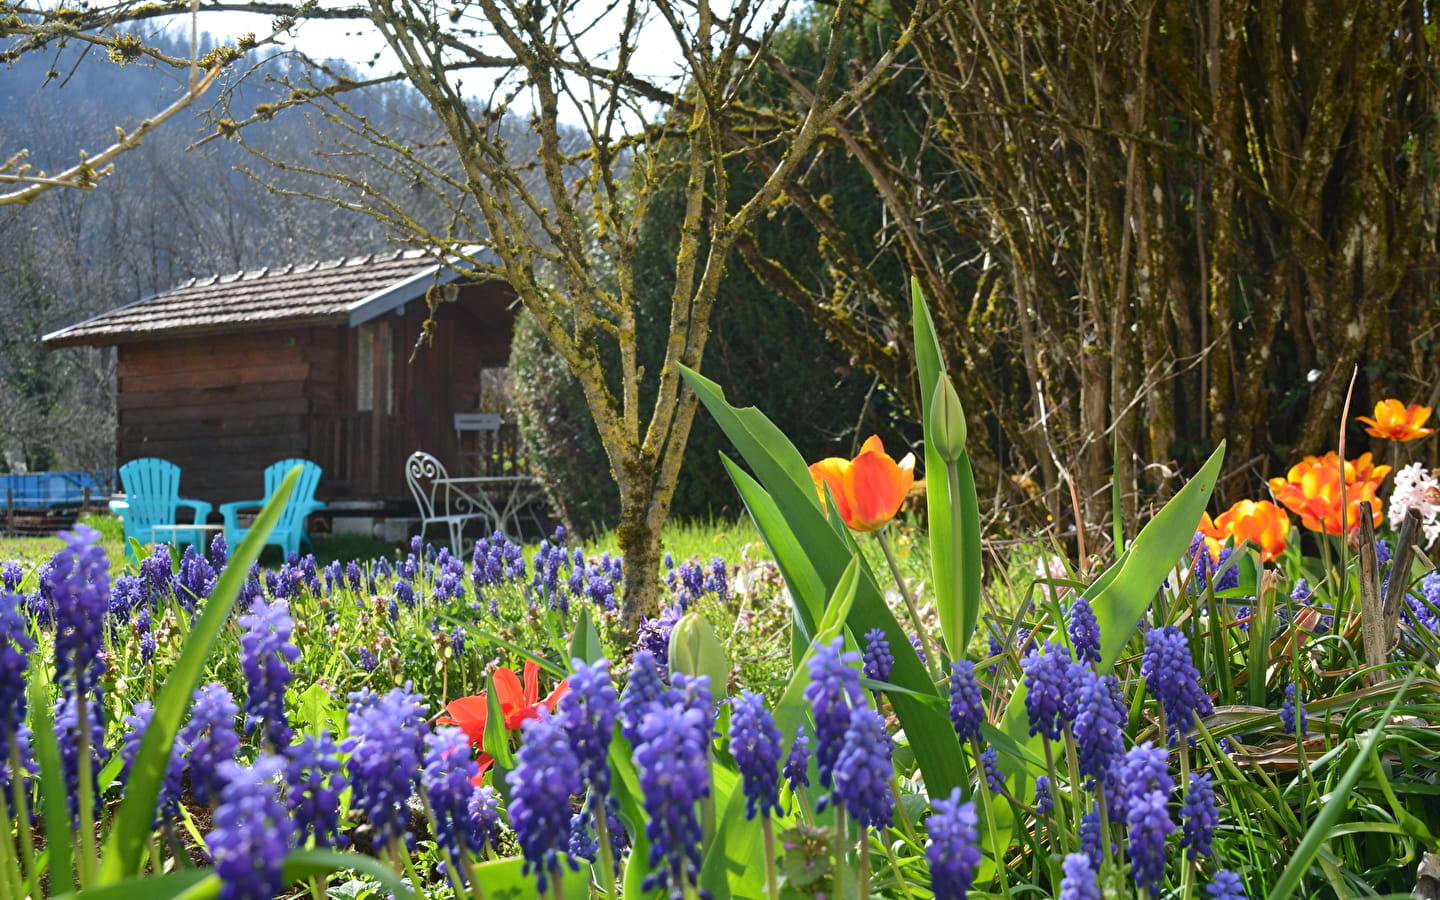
x=353 y=289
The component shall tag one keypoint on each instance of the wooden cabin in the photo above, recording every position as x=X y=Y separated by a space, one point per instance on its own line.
x=227 y=374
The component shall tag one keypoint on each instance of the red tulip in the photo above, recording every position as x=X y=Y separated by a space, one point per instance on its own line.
x=517 y=703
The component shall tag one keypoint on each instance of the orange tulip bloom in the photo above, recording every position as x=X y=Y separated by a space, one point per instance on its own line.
x=868 y=489
x=517 y=704
x=1311 y=490
x=1261 y=522
x=1394 y=421
x=1212 y=536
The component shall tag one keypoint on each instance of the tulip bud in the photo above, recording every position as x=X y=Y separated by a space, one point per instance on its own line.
x=695 y=650
x=947 y=421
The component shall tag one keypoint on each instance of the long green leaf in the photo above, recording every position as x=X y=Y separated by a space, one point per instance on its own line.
x=585 y=644
x=123 y=855
x=1321 y=828
x=951 y=502
x=781 y=473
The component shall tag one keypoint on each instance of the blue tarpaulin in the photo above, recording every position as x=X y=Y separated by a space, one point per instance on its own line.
x=35 y=490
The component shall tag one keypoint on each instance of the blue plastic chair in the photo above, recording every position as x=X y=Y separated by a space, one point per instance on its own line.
x=289 y=531
x=152 y=497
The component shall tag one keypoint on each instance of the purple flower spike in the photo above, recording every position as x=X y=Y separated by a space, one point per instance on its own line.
x=1292 y=712
x=990 y=764
x=645 y=687
x=1079 y=882
x=1099 y=722
x=833 y=691
x=546 y=774
x=1084 y=631
x=755 y=745
x=1047 y=680
x=878 y=660
x=1150 y=826
x=210 y=738
x=673 y=759
x=863 y=769
x=485 y=816
x=447 y=784
x=313 y=783
x=967 y=708
x=78 y=584
x=1199 y=817
x=1171 y=678
x=1144 y=768
x=1225 y=886
x=797 y=764
x=953 y=853
x=252 y=831
x=16 y=646
x=266 y=653
x=386 y=736
x=1044 y=799
x=590 y=709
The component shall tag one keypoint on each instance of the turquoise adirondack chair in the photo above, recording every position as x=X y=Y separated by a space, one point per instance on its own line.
x=289 y=531
x=152 y=497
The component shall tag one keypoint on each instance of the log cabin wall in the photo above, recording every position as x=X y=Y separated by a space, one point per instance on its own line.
x=222 y=406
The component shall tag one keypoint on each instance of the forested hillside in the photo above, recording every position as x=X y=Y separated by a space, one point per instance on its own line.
x=168 y=214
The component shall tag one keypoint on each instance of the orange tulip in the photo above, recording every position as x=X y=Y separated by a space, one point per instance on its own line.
x=1212 y=537
x=1261 y=522
x=1394 y=421
x=517 y=703
x=868 y=489
x=1311 y=490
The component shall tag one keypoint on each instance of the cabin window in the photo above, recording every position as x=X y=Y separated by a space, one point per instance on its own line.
x=365 y=367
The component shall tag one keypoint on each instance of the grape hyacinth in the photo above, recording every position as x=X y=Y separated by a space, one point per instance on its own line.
x=673 y=760
x=1044 y=798
x=16 y=645
x=1099 y=725
x=446 y=779
x=313 y=784
x=266 y=653
x=546 y=774
x=210 y=738
x=1084 y=631
x=878 y=660
x=252 y=831
x=953 y=854
x=755 y=745
x=1225 y=886
x=484 y=809
x=990 y=764
x=590 y=709
x=1292 y=711
x=1149 y=824
x=68 y=731
x=797 y=763
x=1047 y=677
x=1079 y=882
x=646 y=686
x=833 y=691
x=863 y=769
x=967 y=708
x=1171 y=678
x=78 y=583
x=654 y=635
x=1143 y=768
x=1091 y=839
x=385 y=752
x=1198 y=817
